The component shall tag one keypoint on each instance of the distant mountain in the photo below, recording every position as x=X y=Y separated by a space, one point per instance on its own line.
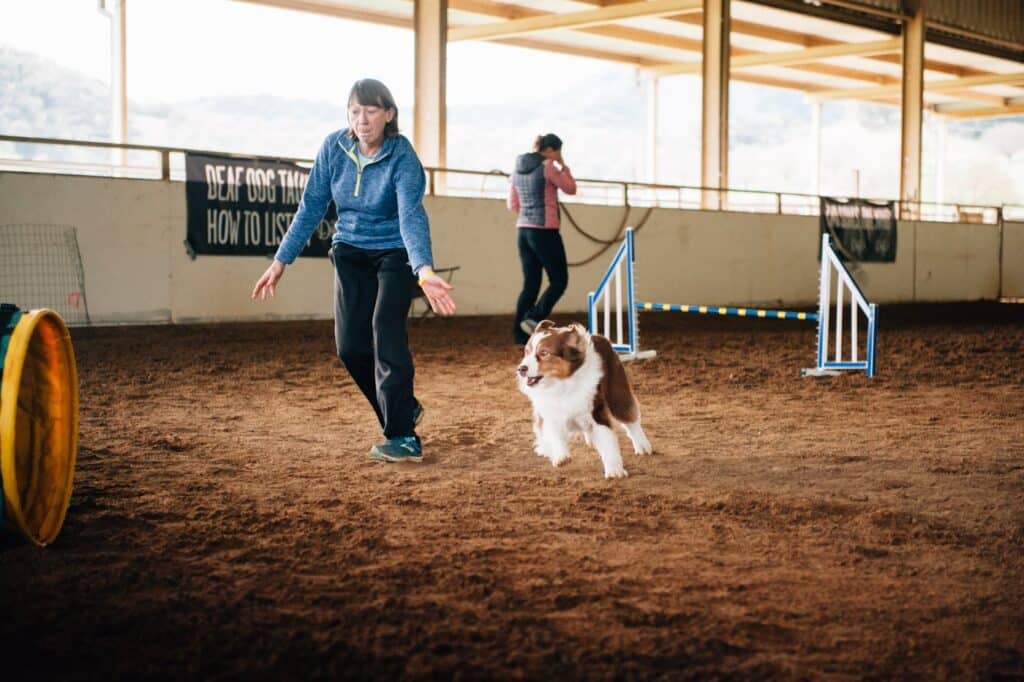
x=40 y=98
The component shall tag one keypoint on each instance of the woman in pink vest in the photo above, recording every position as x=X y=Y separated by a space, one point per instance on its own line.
x=533 y=193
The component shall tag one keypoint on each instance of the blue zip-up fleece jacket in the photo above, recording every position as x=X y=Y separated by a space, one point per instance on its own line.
x=380 y=204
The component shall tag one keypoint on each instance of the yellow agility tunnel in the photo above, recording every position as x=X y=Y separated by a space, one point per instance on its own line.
x=38 y=422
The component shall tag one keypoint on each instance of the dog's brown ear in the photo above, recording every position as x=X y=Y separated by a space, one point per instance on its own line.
x=545 y=324
x=575 y=343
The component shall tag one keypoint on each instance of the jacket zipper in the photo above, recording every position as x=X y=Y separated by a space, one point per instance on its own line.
x=359 y=166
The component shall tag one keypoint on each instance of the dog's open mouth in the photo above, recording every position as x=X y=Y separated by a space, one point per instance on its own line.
x=532 y=381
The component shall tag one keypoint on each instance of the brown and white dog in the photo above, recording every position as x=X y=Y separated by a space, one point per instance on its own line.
x=577 y=385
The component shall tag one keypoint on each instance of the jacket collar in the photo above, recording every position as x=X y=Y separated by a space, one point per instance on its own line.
x=351 y=146
x=527 y=163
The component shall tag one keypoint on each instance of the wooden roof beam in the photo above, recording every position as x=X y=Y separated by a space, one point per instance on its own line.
x=783 y=35
x=627 y=33
x=578 y=51
x=788 y=58
x=937 y=66
x=771 y=81
x=951 y=85
x=675 y=42
x=975 y=96
x=573 y=20
x=984 y=112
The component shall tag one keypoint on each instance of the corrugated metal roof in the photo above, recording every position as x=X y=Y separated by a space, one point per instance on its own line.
x=856 y=12
x=888 y=5
x=995 y=27
x=999 y=19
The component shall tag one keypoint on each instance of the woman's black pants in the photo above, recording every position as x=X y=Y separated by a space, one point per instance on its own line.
x=372 y=294
x=540 y=251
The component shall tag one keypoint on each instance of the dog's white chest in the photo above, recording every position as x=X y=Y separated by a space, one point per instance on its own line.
x=570 y=400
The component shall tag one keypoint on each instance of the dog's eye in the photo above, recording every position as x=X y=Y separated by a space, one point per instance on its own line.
x=544 y=353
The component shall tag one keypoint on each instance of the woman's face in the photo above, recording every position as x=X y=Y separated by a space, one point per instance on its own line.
x=368 y=121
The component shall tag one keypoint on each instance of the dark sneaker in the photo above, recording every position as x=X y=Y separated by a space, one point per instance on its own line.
x=417 y=414
x=528 y=325
x=400 y=449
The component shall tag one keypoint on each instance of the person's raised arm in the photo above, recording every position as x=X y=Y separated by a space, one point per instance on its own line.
x=561 y=178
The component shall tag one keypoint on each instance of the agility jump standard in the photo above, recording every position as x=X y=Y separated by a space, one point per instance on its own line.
x=602 y=309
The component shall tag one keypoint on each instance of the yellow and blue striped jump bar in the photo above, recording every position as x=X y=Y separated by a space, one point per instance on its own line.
x=714 y=310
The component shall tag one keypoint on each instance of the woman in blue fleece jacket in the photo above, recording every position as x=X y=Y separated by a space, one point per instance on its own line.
x=381 y=243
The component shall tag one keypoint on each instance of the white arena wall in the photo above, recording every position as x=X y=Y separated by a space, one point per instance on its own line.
x=1013 y=260
x=131 y=235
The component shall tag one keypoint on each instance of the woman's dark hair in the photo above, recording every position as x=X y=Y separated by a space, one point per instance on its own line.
x=372 y=93
x=549 y=141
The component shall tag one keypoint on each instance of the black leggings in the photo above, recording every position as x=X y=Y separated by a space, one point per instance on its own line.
x=540 y=251
x=372 y=294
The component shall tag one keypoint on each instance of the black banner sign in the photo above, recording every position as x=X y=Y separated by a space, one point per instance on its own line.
x=861 y=230
x=243 y=207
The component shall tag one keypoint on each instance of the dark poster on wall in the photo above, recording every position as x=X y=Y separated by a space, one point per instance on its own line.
x=243 y=207
x=861 y=230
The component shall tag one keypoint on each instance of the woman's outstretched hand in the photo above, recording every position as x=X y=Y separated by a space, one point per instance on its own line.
x=437 y=292
x=267 y=284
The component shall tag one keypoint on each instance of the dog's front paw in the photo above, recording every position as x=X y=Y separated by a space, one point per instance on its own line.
x=539 y=450
x=615 y=472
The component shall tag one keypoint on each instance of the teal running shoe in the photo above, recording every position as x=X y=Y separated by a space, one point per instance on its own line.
x=400 y=449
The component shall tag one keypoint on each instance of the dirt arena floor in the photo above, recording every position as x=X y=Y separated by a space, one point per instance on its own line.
x=227 y=522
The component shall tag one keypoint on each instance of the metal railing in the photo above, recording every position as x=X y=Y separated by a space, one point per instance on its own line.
x=1013 y=213
x=154 y=162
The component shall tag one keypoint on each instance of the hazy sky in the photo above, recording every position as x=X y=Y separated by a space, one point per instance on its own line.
x=180 y=49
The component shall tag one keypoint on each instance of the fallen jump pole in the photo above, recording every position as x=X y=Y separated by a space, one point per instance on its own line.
x=617 y=319
x=718 y=310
